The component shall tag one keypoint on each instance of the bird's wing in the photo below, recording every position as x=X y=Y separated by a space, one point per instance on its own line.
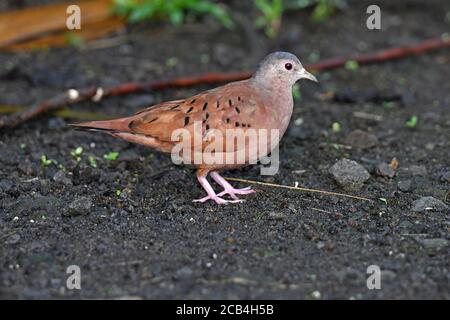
x=234 y=106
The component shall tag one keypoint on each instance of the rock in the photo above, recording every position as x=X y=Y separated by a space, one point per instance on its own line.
x=406 y=225
x=6 y=185
x=80 y=206
x=405 y=185
x=184 y=273
x=361 y=139
x=388 y=275
x=26 y=205
x=84 y=174
x=418 y=170
x=62 y=178
x=428 y=203
x=349 y=174
x=414 y=170
x=434 y=244
x=385 y=170
x=12 y=239
x=444 y=174
x=276 y=216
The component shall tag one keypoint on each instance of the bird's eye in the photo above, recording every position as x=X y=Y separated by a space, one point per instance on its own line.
x=288 y=66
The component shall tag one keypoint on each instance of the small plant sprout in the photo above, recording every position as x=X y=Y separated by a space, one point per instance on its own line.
x=384 y=200
x=272 y=11
x=92 y=161
x=259 y=216
x=45 y=162
x=73 y=40
x=336 y=127
x=111 y=156
x=323 y=9
x=412 y=122
x=171 y=62
x=388 y=104
x=296 y=92
x=402 y=81
x=22 y=146
x=352 y=65
x=175 y=10
x=118 y=192
x=76 y=153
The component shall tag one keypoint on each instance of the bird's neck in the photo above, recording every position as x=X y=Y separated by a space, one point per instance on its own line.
x=281 y=102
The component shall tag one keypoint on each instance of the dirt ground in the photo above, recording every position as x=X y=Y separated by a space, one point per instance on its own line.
x=130 y=225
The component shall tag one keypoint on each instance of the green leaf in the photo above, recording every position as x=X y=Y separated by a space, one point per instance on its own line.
x=111 y=156
x=177 y=17
x=46 y=162
x=351 y=65
x=412 y=122
x=336 y=127
x=322 y=12
x=92 y=162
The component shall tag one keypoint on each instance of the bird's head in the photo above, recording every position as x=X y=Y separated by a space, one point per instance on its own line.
x=282 y=66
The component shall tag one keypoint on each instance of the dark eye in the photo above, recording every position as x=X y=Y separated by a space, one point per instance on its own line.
x=288 y=66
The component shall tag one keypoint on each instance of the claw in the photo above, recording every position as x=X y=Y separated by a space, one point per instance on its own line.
x=217 y=199
x=233 y=192
x=228 y=188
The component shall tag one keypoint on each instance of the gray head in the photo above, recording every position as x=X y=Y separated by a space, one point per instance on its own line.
x=282 y=66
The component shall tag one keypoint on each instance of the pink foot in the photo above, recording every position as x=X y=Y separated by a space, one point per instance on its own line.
x=233 y=192
x=217 y=200
x=228 y=188
x=211 y=194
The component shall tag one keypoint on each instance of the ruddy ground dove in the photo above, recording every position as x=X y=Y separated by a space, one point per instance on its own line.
x=201 y=124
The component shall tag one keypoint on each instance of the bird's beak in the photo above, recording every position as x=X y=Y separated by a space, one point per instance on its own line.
x=306 y=75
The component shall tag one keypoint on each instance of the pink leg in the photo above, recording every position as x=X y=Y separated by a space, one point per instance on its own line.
x=228 y=188
x=211 y=194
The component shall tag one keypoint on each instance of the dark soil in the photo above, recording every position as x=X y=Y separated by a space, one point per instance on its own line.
x=151 y=241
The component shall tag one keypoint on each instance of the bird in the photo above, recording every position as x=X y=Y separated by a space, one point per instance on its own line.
x=260 y=103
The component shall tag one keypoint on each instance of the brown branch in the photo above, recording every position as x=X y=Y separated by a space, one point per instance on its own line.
x=208 y=78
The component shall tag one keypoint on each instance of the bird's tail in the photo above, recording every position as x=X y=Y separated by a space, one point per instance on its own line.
x=121 y=128
x=111 y=126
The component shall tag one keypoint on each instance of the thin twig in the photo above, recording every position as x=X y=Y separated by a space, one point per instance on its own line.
x=208 y=78
x=324 y=211
x=299 y=188
x=367 y=116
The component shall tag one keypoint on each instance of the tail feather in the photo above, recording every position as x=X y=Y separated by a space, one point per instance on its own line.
x=116 y=125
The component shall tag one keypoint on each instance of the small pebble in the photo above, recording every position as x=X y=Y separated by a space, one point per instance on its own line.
x=349 y=174
x=428 y=203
